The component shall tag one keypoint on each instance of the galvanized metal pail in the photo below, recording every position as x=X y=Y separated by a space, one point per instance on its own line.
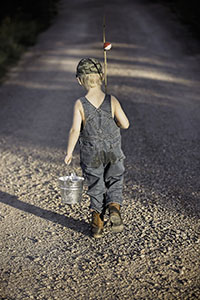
x=71 y=189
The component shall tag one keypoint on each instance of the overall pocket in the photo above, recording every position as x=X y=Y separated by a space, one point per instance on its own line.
x=116 y=152
x=89 y=155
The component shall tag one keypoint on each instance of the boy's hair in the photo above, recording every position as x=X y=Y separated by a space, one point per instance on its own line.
x=91 y=80
x=89 y=71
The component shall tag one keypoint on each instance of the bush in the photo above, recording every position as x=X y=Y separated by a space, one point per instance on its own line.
x=187 y=11
x=20 y=23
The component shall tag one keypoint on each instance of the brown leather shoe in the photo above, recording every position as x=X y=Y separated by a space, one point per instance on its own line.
x=115 y=217
x=97 y=224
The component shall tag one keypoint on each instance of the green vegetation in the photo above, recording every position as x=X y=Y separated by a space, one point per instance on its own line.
x=20 y=23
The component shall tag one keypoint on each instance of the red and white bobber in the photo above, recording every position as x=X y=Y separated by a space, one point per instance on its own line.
x=107 y=46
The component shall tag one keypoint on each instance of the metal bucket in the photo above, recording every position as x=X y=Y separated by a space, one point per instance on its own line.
x=71 y=189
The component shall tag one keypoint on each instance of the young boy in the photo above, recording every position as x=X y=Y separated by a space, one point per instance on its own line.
x=97 y=120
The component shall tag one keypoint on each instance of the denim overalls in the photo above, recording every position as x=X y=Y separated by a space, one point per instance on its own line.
x=101 y=157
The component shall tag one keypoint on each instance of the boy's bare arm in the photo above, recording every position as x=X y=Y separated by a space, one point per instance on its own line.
x=122 y=120
x=74 y=132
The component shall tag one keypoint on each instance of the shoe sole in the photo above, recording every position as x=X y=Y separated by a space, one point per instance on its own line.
x=116 y=229
x=97 y=234
x=116 y=223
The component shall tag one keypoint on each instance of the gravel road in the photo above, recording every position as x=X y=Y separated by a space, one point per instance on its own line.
x=46 y=248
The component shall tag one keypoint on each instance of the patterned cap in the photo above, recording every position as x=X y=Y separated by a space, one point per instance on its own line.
x=89 y=66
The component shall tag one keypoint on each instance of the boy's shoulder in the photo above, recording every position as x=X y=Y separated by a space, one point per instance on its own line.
x=78 y=104
x=79 y=100
x=114 y=99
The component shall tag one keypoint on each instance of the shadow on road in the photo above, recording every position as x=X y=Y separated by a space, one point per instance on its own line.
x=65 y=221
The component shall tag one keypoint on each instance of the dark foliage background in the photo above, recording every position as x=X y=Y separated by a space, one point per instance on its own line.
x=187 y=11
x=20 y=23
x=38 y=10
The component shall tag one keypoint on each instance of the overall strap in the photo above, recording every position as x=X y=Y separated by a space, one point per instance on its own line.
x=106 y=105
x=86 y=107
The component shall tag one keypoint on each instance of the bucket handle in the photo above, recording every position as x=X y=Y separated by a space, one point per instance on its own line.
x=73 y=173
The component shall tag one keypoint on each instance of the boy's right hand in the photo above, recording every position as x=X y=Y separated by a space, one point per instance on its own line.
x=68 y=159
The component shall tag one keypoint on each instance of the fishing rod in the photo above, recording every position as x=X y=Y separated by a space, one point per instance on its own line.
x=106 y=46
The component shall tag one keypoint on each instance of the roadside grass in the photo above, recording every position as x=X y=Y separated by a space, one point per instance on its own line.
x=15 y=37
x=19 y=32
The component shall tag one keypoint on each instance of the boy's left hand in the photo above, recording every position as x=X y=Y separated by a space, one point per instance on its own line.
x=68 y=159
